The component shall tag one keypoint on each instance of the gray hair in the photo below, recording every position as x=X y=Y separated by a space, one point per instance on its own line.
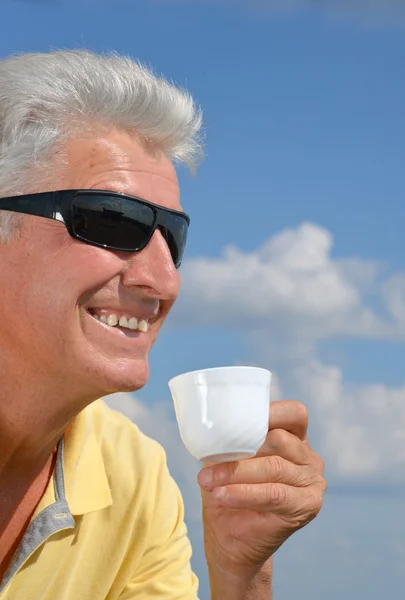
x=46 y=98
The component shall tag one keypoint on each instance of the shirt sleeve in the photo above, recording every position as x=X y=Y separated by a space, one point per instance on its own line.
x=165 y=570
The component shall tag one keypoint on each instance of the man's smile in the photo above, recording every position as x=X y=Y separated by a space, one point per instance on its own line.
x=122 y=326
x=120 y=319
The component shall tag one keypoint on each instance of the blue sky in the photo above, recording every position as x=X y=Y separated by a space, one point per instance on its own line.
x=296 y=256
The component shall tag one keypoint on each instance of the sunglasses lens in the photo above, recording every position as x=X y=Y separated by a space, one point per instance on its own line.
x=175 y=233
x=124 y=224
x=112 y=222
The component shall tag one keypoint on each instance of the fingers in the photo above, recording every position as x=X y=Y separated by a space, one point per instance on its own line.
x=285 y=477
x=282 y=458
x=289 y=415
x=273 y=469
x=277 y=498
x=286 y=445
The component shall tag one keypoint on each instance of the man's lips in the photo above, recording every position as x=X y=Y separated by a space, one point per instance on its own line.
x=124 y=318
x=117 y=334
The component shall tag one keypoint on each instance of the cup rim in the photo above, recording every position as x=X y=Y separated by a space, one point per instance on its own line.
x=228 y=368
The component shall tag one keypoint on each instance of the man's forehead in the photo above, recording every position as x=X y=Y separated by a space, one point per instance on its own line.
x=120 y=162
x=117 y=150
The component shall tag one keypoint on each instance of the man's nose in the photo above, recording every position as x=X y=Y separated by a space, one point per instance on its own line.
x=153 y=268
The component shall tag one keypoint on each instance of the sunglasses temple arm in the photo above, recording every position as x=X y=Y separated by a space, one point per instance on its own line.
x=42 y=206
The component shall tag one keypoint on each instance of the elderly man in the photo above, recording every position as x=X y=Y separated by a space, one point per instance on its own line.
x=91 y=238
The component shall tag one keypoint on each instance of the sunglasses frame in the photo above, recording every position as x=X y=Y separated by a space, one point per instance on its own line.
x=57 y=205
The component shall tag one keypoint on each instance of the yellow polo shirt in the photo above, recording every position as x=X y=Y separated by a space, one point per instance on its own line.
x=110 y=524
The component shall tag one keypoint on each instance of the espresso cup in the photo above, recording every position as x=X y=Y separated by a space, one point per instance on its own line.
x=222 y=413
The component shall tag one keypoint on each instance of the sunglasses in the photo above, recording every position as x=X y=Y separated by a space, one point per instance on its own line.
x=107 y=219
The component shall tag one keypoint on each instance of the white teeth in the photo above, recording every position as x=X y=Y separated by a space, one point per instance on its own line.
x=143 y=326
x=112 y=320
x=133 y=323
x=123 y=322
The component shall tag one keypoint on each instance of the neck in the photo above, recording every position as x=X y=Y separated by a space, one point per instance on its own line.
x=29 y=435
x=18 y=502
x=34 y=413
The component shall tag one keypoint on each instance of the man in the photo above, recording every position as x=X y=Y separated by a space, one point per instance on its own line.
x=92 y=235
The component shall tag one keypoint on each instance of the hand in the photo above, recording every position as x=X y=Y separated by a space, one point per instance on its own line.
x=251 y=507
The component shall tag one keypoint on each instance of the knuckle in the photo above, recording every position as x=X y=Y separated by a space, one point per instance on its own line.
x=304 y=477
x=321 y=464
x=316 y=462
x=275 y=468
x=316 y=508
x=278 y=438
x=319 y=482
x=316 y=503
x=244 y=493
x=277 y=494
x=224 y=474
x=323 y=485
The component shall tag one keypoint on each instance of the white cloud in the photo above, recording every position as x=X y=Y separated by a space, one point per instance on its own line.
x=335 y=548
x=358 y=429
x=158 y=422
x=394 y=295
x=286 y=297
x=293 y=284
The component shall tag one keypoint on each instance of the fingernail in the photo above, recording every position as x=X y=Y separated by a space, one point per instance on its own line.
x=219 y=493
x=205 y=478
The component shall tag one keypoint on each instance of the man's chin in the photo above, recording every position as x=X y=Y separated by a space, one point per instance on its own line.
x=130 y=379
x=130 y=386
x=122 y=377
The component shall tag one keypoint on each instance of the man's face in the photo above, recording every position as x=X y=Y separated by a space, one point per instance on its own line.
x=53 y=286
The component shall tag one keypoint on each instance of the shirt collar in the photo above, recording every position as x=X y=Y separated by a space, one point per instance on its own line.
x=86 y=483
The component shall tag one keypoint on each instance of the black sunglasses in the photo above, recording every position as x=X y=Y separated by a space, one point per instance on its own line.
x=107 y=219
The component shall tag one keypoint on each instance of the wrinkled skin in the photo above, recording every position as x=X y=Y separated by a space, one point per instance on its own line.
x=264 y=499
x=51 y=280
x=54 y=357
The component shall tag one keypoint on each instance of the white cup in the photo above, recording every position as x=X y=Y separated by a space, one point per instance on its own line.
x=222 y=413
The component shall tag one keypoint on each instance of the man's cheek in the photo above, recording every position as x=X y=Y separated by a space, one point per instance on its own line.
x=154 y=333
